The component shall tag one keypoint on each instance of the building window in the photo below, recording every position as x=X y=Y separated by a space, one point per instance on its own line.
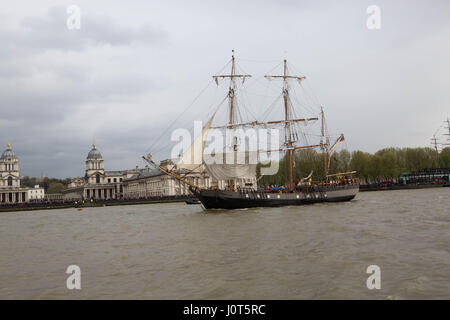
x=9 y=181
x=97 y=178
x=109 y=180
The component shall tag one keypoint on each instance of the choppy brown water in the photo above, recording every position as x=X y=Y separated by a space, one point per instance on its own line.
x=177 y=251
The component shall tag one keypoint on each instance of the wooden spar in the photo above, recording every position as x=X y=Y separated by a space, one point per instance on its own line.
x=341 y=174
x=285 y=77
x=231 y=96
x=294 y=148
x=287 y=121
x=288 y=127
x=231 y=93
x=258 y=123
x=291 y=173
x=434 y=142
x=290 y=120
x=310 y=146
x=148 y=158
x=325 y=160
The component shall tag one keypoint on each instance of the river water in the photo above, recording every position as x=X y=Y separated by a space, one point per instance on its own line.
x=178 y=251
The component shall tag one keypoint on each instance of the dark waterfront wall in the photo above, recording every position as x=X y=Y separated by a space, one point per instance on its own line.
x=61 y=204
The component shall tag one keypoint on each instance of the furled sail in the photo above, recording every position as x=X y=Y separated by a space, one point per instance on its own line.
x=193 y=157
x=334 y=146
x=231 y=165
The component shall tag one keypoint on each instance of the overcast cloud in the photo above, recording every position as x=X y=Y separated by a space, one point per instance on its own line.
x=134 y=66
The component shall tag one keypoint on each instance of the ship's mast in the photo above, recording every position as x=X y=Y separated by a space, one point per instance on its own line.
x=231 y=90
x=435 y=143
x=287 y=127
x=324 y=148
x=231 y=93
x=448 y=128
x=231 y=97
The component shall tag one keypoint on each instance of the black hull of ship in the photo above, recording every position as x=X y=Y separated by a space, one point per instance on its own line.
x=220 y=199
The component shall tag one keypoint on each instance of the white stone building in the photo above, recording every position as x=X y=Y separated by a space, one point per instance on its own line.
x=138 y=183
x=36 y=193
x=97 y=183
x=154 y=183
x=10 y=189
x=9 y=168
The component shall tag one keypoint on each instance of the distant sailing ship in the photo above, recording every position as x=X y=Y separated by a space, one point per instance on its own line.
x=332 y=188
x=435 y=142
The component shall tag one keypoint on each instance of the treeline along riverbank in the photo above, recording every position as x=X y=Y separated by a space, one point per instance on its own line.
x=384 y=165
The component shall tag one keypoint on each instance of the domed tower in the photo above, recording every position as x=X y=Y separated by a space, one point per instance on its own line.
x=9 y=168
x=95 y=171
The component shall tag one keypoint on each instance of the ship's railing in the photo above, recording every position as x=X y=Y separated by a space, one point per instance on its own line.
x=314 y=186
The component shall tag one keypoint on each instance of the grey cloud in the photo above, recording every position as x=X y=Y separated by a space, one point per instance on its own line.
x=51 y=32
x=122 y=80
x=49 y=74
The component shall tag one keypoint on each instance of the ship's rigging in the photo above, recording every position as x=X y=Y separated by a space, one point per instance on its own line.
x=289 y=122
x=445 y=130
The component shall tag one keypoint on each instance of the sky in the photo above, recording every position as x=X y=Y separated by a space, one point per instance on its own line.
x=135 y=66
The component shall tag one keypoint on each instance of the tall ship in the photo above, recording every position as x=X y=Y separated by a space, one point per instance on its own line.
x=240 y=165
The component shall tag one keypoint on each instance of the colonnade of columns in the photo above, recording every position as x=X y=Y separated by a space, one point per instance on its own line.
x=100 y=193
x=13 y=196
